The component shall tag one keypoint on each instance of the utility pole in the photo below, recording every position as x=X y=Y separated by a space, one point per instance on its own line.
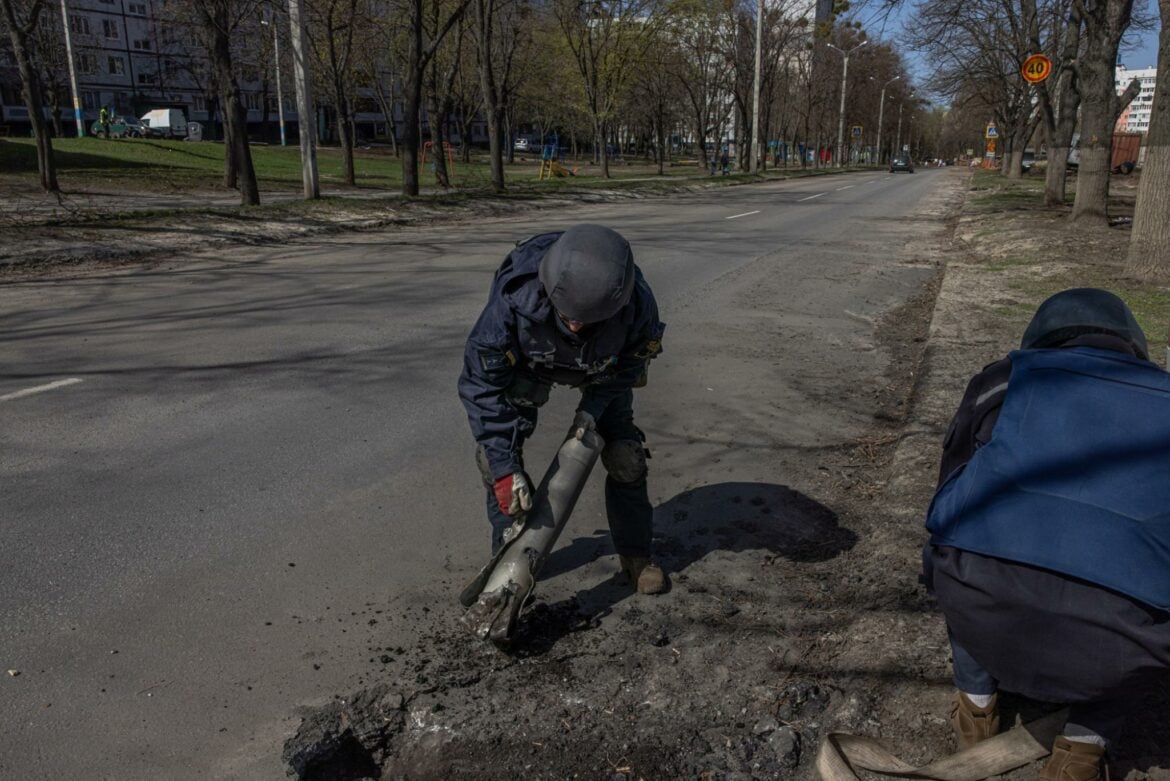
x=306 y=120
x=279 y=91
x=881 y=116
x=841 y=118
x=72 y=72
x=754 y=152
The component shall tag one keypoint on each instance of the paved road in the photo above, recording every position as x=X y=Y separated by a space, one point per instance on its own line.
x=228 y=483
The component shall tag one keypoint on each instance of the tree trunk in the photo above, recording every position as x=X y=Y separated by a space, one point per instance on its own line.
x=238 y=152
x=31 y=90
x=412 y=99
x=602 y=133
x=484 y=19
x=1105 y=22
x=345 y=132
x=1149 y=244
x=661 y=139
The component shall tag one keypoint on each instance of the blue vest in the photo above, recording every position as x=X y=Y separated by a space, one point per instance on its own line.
x=1076 y=477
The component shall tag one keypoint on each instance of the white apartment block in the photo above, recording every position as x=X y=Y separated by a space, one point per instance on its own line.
x=1136 y=117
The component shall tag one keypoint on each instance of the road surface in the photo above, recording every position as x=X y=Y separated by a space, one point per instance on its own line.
x=228 y=481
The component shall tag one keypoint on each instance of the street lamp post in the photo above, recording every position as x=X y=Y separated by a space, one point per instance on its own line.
x=279 y=91
x=841 y=118
x=881 y=116
x=72 y=72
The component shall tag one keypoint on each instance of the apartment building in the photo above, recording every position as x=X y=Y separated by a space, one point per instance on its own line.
x=135 y=55
x=1136 y=117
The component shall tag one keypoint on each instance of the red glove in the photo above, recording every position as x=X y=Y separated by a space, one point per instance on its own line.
x=514 y=493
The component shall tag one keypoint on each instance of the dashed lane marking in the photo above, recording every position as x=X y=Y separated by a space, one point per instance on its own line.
x=846 y=187
x=818 y=195
x=745 y=214
x=40 y=389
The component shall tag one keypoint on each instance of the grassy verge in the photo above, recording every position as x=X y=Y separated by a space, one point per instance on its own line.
x=1031 y=252
x=155 y=165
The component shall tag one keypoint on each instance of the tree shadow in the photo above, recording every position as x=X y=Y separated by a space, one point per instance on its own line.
x=731 y=517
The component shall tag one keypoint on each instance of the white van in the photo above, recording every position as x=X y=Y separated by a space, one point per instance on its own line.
x=168 y=122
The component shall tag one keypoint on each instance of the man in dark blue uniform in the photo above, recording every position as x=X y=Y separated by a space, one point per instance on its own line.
x=1050 y=529
x=571 y=309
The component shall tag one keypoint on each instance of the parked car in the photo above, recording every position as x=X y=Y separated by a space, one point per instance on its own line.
x=520 y=144
x=1029 y=160
x=120 y=127
x=901 y=163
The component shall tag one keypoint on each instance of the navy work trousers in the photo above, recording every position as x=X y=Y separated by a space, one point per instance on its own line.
x=627 y=505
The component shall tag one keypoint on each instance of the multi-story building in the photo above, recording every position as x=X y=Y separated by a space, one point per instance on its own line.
x=1136 y=116
x=135 y=55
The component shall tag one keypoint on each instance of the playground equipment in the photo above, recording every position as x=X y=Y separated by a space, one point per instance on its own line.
x=429 y=146
x=550 y=164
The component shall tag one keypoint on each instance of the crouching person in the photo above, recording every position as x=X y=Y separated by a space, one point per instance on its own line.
x=1050 y=529
x=573 y=309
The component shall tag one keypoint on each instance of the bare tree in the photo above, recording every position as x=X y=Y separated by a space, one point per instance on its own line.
x=332 y=30
x=1149 y=245
x=606 y=39
x=499 y=34
x=701 y=69
x=420 y=49
x=219 y=21
x=21 y=18
x=439 y=86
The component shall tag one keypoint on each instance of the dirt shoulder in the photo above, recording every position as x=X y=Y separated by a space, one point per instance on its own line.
x=764 y=645
x=100 y=228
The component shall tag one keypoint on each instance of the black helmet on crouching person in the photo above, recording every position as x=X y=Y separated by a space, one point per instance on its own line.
x=1081 y=311
x=588 y=273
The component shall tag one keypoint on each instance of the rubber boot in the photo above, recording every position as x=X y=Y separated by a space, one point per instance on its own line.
x=972 y=724
x=1072 y=760
x=646 y=576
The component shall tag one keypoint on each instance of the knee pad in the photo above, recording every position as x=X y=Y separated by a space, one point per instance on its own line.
x=625 y=460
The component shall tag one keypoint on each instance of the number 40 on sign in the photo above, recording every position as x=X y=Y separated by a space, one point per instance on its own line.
x=1036 y=68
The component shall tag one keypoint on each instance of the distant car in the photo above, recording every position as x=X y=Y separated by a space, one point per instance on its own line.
x=901 y=163
x=1028 y=161
x=120 y=127
x=520 y=144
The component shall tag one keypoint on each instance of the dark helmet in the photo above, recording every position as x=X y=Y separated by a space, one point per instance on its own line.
x=588 y=273
x=1080 y=311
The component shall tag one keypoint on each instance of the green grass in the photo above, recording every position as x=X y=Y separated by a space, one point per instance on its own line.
x=162 y=165
x=156 y=163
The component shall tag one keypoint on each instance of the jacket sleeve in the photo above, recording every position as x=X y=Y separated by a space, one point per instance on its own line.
x=643 y=343
x=489 y=364
x=976 y=417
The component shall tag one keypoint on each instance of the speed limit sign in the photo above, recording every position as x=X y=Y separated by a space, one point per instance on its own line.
x=1036 y=68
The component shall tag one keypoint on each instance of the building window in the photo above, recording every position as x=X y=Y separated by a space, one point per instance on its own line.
x=86 y=64
x=200 y=103
x=117 y=65
x=110 y=28
x=89 y=100
x=148 y=78
x=142 y=45
x=251 y=101
x=79 y=24
x=136 y=8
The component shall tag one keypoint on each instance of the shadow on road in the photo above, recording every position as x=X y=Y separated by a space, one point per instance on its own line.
x=732 y=517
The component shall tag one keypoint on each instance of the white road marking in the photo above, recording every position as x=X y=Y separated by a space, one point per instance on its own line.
x=818 y=195
x=40 y=389
x=745 y=214
x=846 y=187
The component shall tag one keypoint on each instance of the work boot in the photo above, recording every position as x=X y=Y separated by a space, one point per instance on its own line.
x=646 y=576
x=1072 y=760
x=973 y=724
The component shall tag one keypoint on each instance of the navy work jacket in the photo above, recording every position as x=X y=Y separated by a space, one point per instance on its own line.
x=1076 y=476
x=518 y=349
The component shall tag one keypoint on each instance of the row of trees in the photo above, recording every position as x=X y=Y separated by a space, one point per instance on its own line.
x=979 y=48
x=631 y=73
